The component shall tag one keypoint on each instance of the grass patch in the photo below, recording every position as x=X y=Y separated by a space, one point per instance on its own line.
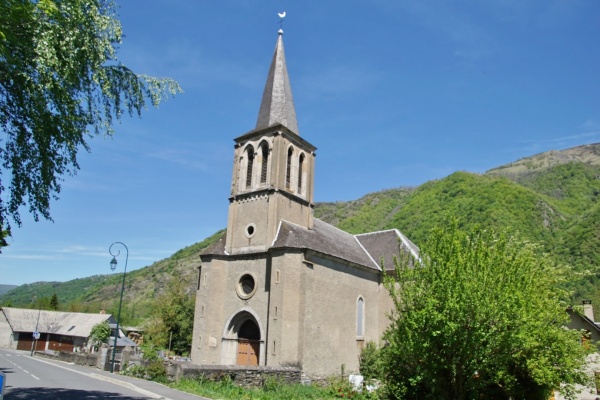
x=272 y=390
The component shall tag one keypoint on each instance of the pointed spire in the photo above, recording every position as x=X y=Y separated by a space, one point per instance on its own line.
x=277 y=106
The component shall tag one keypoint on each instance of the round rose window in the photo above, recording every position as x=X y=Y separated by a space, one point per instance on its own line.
x=246 y=286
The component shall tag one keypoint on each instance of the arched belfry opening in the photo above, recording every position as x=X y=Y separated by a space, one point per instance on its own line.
x=242 y=340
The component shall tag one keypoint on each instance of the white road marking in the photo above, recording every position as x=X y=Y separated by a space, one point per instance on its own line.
x=18 y=366
x=114 y=381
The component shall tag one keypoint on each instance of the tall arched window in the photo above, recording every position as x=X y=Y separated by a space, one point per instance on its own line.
x=250 y=158
x=360 y=317
x=288 y=171
x=300 y=170
x=265 y=162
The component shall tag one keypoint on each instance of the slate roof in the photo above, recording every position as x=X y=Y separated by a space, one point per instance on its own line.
x=387 y=245
x=217 y=248
x=277 y=105
x=56 y=322
x=366 y=249
x=323 y=238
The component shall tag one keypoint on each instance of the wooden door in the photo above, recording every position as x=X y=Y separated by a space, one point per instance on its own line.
x=248 y=351
x=25 y=339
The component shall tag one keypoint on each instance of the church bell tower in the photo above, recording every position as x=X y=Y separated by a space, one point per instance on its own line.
x=273 y=169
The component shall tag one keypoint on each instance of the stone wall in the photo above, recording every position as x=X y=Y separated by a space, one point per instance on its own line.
x=89 y=360
x=243 y=376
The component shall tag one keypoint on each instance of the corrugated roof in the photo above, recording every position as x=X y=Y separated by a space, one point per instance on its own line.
x=56 y=322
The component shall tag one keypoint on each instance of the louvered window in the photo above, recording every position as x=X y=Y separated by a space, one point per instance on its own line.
x=249 y=167
x=265 y=163
x=300 y=170
x=288 y=172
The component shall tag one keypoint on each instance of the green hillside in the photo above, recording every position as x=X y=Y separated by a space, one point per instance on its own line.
x=369 y=213
x=68 y=292
x=551 y=199
x=6 y=288
x=493 y=202
x=101 y=292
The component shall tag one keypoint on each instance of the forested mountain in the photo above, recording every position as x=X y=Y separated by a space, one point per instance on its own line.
x=6 y=288
x=551 y=198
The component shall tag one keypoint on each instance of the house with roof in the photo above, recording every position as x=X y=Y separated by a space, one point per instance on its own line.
x=281 y=287
x=583 y=320
x=58 y=331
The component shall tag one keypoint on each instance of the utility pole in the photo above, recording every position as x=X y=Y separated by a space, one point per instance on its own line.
x=36 y=334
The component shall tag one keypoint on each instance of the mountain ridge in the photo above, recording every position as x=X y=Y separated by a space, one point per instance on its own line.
x=550 y=198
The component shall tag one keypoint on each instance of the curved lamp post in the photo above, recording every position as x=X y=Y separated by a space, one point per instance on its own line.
x=113 y=266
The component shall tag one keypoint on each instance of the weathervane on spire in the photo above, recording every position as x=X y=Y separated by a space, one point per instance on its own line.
x=281 y=18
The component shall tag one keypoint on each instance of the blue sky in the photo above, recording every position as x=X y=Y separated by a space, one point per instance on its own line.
x=392 y=93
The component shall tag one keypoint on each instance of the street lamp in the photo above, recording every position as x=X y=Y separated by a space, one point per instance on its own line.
x=113 y=266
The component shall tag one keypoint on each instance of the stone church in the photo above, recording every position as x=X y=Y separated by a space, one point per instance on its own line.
x=281 y=287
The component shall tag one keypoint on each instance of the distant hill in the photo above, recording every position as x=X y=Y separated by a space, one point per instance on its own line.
x=67 y=291
x=550 y=198
x=6 y=288
x=586 y=154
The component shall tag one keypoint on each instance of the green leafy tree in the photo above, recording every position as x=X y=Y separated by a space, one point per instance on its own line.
x=479 y=316
x=54 y=302
x=60 y=83
x=100 y=333
x=173 y=317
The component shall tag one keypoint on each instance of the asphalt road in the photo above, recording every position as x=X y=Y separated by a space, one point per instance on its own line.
x=34 y=378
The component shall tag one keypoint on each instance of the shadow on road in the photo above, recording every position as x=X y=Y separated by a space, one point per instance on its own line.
x=42 y=393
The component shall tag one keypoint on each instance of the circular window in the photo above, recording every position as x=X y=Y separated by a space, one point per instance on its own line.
x=250 y=230
x=246 y=286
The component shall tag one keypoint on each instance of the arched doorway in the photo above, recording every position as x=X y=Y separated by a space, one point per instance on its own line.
x=248 y=344
x=242 y=344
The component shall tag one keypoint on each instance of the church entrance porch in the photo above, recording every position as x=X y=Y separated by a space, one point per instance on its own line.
x=242 y=344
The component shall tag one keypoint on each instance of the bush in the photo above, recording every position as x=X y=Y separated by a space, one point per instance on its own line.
x=153 y=370
x=370 y=362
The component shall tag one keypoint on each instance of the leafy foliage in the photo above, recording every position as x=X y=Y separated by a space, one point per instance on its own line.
x=152 y=369
x=479 y=315
x=59 y=76
x=100 y=333
x=370 y=362
x=172 y=321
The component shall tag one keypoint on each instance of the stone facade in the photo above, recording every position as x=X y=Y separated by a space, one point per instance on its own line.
x=282 y=288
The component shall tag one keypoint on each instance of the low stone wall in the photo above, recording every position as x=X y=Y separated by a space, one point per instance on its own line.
x=89 y=360
x=243 y=376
